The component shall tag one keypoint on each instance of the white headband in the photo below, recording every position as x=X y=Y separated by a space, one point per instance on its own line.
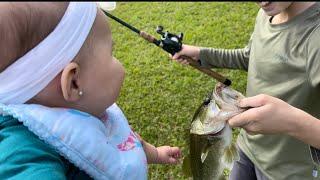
x=26 y=77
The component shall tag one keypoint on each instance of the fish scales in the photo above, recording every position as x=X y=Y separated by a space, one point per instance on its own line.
x=210 y=138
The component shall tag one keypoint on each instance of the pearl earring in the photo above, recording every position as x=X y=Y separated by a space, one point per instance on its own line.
x=80 y=93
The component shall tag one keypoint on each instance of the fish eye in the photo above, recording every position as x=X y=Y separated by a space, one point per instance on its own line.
x=206 y=101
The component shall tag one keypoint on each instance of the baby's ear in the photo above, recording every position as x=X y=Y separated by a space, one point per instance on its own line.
x=70 y=82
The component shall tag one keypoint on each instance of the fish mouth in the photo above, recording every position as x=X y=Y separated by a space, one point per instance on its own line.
x=219 y=87
x=213 y=130
x=204 y=129
x=217 y=133
x=212 y=116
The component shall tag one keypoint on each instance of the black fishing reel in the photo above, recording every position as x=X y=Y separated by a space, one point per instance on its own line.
x=171 y=43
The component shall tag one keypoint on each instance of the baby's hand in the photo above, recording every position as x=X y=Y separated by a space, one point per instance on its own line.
x=168 y=155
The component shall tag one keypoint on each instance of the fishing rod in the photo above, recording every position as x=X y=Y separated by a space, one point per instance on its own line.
x=172 y=44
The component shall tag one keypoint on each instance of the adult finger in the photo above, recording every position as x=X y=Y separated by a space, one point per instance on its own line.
x=185 y=62
x=250 y=132
x=180 y=61
x=243 y=119
x=238 y=121
x=176 y=56
x=254 y=101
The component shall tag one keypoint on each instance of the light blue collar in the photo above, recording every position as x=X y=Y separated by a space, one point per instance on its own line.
x=104 y=149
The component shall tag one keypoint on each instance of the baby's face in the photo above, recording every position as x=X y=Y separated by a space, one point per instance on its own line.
x=102 y=75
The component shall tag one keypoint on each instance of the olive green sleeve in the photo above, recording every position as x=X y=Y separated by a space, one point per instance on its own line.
x=228 y=58
x=313 y=57
x=225 y=58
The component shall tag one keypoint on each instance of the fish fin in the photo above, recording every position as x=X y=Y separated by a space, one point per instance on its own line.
x=223 y=177
x=186 y=166
x=204 y=153
x=230 y=155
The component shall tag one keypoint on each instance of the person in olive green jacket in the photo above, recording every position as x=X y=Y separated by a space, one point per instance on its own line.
x=282 y=60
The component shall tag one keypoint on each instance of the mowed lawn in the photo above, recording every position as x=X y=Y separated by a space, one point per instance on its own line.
x=159 y=96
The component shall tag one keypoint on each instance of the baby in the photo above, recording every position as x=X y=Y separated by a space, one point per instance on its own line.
x=56 y=65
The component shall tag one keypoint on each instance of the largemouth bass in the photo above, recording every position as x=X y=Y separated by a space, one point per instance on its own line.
x=211 y=146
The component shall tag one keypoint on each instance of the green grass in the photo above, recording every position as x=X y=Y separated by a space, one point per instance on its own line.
x=159 y=96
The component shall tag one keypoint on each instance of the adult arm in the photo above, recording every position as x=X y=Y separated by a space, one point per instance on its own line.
x=270 y=115
x=216 y=58
x=225 y=58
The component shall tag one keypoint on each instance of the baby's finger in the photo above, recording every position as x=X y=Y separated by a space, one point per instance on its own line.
x=175 y=152
x=173 y=160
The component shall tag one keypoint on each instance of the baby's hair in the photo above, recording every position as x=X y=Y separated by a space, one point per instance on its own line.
x=23 y=25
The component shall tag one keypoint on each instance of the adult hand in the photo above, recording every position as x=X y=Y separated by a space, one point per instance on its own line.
x=187 y=50
x=268 y=115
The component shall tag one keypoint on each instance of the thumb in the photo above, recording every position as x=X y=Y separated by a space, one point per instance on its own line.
x=243 y=118
x=238 y=120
